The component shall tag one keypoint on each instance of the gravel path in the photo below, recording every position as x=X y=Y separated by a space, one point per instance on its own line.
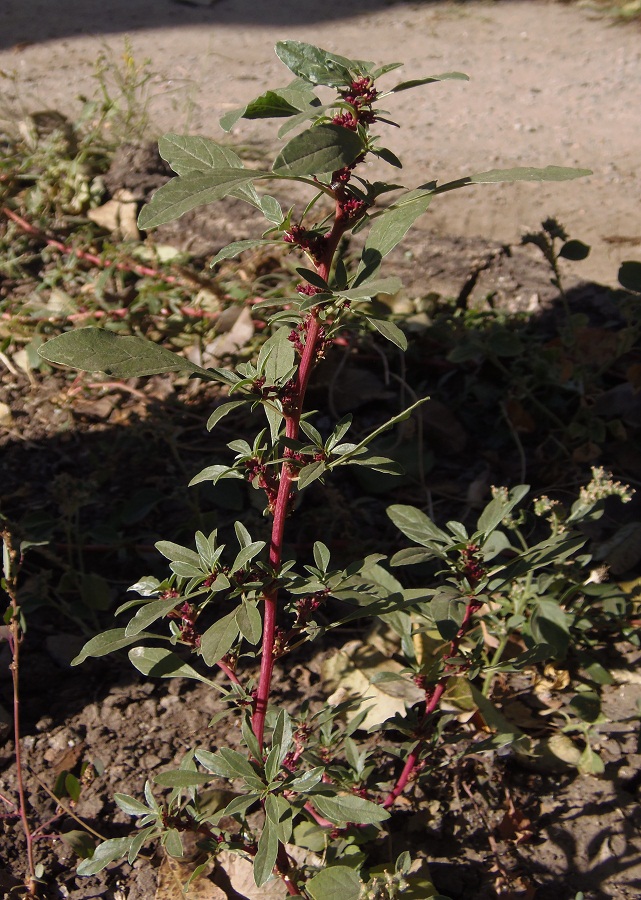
x=550 y=84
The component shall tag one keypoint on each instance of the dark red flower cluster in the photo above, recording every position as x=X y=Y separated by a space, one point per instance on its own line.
x=313 y=244
x=473 y=569
x=346 y=120
x=308 y=290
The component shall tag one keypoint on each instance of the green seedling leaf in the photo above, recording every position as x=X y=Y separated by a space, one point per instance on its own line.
x=80 y=842
x=574 y=250
x=219 y=639
x=105 y=853
x=318 y=151
x=107 y=642
x=321 y=556
x=630 y=276
x=315 y=65
x=122 y=356
x=238 y=247
x=334 y=882
x=161 y=663
x=430 y=79
x=187 y=192
x=587 y=706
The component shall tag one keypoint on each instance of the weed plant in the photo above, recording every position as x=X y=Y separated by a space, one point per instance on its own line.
x=313 y=795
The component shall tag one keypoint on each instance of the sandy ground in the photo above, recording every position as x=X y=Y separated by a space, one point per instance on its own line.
x=550 y=84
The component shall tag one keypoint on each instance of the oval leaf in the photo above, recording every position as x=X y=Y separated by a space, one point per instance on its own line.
x=318 y=151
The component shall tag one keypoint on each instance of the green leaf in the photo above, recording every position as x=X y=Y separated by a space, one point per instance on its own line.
x=319 y=150
x=181 y=778
x=148 y=614
x=249 y=622
x=314 y=64
x=630 y=276
x=221 y=411
x=177 y=553
x=497 y=509
x=430 y=79
x=193 y=153
x=107 y=642
x=549 y=625
x=80 y=842
x=392 y=225
x=310 y=473
x=528 y=173
x=214 y=474
x=173 y=844
x=448 y=612
x=521 y=173
x=334 y=882
x=280 y=813
x=230 y=764
x=587 y=706
x=123 y=356
x=275 y=103
x=321 y=556
x=574 y=250
x=348 y=808
x=265 y=858
x=219 y=638
x=306 y=782
x=390 y=332
x=277 y=356
x=372 y=287
x=105 y=853
x=247 y=553
x=161 y=663
x=237 y=247
x=182 y=194
x=131 y=806
x=416 y=526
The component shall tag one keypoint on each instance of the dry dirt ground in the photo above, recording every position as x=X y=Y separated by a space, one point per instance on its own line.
x=550 y=84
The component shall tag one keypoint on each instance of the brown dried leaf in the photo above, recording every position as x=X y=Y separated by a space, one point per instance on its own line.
x=174 y=873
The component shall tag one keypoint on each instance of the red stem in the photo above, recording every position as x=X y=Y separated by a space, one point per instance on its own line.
x=137 y=269
x=281 y=508
x=434 y=698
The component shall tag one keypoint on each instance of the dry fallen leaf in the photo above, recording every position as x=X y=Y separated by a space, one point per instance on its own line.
x=353 y=668
x=118 y=215
x=173 y=874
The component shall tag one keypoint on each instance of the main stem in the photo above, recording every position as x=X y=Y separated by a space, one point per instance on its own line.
x=282 y=505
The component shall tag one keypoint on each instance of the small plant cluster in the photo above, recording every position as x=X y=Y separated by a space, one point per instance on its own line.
x=512 y=593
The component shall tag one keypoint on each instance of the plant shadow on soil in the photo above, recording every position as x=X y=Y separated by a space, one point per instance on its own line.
x=103 y=493
x=21 y=26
